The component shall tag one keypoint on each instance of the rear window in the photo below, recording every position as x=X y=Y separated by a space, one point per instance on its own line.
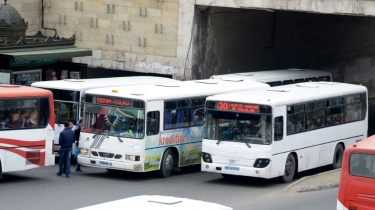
x=361 y=164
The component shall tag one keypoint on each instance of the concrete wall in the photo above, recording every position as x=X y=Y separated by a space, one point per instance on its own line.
x=30 y=10
x=237 y=40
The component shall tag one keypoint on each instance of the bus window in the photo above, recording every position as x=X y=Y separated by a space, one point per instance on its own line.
x=352 y=108
x=299 y=80
x=274 y=84
x=362 y=164
x=153 y=120
x=326 y=78
x=287 y=82
x=278 y=135
x=311 y=79
x=24 y=113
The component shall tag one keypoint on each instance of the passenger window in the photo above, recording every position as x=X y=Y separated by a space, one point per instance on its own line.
x=184 y=113
x=325 y=79
x=353 y=108
x=362 y=165
x=278 y=126
x=315 y=115
x=274 y=84
x=153 y=119
x=299 y=80
x=44 y=112
x=311 y=79
x=287 y=82
x=334 y=112
x=296 y=119
x=23 y=113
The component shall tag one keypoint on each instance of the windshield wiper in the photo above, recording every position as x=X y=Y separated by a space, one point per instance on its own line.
x=218 y=142
x=118 y=136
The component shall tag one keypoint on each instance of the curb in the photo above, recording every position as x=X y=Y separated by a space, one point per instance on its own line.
x=308 y=189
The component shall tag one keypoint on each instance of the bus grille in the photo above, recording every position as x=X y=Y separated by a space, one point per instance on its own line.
x=106 y=155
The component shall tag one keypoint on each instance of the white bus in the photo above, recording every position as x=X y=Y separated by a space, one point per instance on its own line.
x=280 y=77
x=148 y=127
x=279 y=131
x=67 y=96
x=26 y=128
x=157 y=202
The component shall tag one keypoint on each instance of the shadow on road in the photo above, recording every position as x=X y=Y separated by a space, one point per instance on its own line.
x=13 y=178
x=259 y=182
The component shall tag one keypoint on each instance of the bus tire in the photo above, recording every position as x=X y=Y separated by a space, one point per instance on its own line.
x=166 y=164
x=337 y=156
x=290 y=169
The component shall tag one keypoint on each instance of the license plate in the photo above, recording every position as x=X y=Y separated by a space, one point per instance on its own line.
x=232 y=168
x=104 y=163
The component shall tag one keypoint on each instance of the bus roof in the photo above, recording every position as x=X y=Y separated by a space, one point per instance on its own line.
x=275 y=75
x=156 y=202
x=291 y=94
x=366 y=145
x=84 y=84
x=15 y=91
x=180 y=89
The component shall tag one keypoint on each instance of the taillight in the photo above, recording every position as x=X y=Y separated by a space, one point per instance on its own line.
x=53 y=147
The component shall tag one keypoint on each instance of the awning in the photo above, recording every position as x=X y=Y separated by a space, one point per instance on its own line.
x=47 y=54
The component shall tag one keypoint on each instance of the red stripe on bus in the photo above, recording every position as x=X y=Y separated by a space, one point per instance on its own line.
x=39 y=161
x=23 y=143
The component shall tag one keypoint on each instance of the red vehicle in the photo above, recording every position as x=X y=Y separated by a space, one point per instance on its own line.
x=357 y=181
x=26 y=128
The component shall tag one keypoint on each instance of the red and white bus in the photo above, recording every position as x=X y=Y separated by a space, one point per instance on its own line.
x=357 y=181
x=26 y=128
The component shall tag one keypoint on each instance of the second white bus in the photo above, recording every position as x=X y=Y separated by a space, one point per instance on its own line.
x=280 y=131
x=280 y=77
x=148 y=127
x=67 y=96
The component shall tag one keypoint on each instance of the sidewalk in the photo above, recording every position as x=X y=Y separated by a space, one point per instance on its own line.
x=322 y=181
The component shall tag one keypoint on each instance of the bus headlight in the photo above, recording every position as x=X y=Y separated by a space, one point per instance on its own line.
x=261 y=163
x=132 y=157
x=206 y=157
x=83 y=151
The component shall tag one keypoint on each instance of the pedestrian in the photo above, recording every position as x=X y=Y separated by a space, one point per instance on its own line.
x=66 y=139
x=64 y=166
x=77 y=133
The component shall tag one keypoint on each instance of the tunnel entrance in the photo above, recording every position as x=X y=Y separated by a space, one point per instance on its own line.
x=230 y=40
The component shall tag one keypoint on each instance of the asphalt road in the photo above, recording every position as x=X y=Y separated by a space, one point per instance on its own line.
x=41 y=189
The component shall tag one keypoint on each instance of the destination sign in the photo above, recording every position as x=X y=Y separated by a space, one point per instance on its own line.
x=110 y=101
x=237 y=107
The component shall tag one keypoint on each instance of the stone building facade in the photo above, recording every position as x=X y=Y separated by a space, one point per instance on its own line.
x=157 y=36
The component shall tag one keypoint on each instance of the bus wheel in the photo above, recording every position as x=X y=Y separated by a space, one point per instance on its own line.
x=290 y=169
x=166 y=164
x=337 y=157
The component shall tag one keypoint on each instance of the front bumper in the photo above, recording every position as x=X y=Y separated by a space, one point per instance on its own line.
x=236 y=170
x=109 y=164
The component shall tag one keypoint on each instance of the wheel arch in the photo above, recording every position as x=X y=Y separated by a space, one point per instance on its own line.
x=176 y=156
x=295 y=159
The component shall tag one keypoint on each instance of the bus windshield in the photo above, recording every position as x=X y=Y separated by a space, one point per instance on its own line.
x=238 y=127
x=113 y=121
x=66 y=105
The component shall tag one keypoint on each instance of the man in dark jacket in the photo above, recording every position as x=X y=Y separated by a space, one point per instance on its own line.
x=67 y=137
